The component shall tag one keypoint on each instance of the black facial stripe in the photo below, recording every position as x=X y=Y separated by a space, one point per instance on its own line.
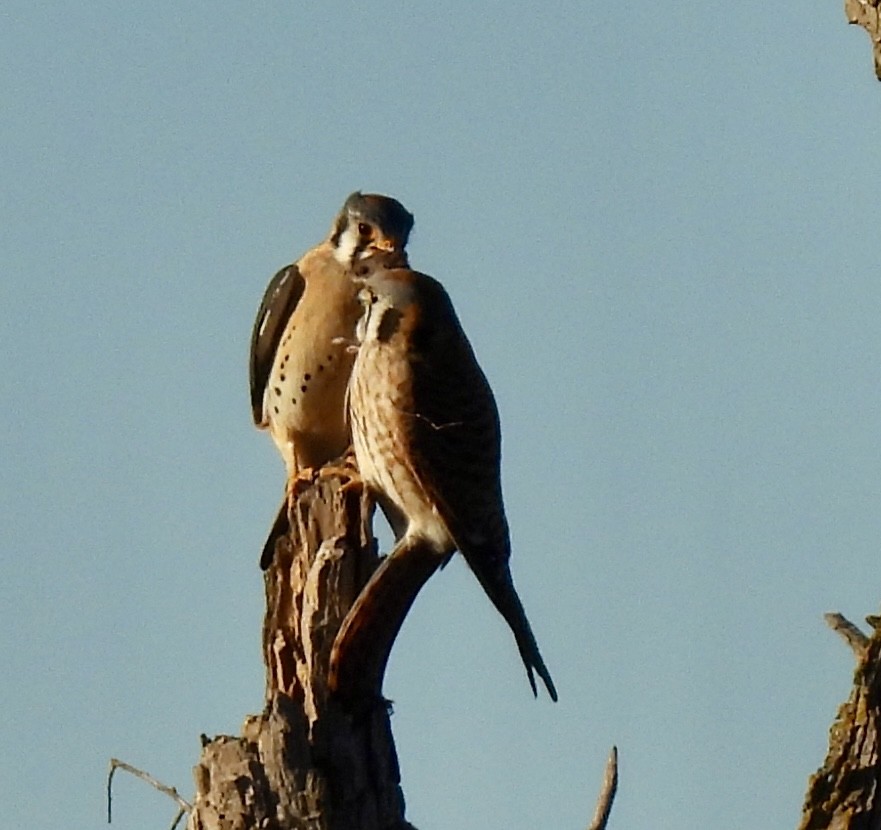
x=388 y=324
x=363 y=242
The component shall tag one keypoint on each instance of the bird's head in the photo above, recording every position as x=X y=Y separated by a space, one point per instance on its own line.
x=391 y=298
x=385 y=296
x=371 y=227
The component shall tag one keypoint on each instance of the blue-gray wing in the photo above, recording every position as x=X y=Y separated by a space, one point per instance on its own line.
x=281 y=297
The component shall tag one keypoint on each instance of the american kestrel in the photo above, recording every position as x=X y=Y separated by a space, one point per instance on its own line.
x=427 y=440
x=300 y=345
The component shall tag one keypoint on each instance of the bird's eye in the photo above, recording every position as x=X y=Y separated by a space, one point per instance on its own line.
x=364 y=229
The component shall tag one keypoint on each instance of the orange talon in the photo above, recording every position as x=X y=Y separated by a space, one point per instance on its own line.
x=299 y=484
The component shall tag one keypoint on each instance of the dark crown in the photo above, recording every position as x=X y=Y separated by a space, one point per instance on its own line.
x=384 y=212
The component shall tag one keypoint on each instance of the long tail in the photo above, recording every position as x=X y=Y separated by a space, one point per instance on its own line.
x=365 y=639
x=279 y=528
x=499 y=587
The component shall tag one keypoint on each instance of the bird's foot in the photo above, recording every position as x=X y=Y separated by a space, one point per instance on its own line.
x=345 y=468
x=300 y=483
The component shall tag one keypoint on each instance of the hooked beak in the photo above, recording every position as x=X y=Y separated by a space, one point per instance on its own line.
x=387 y=246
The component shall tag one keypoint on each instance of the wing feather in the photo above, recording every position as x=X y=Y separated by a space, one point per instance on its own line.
x=281 y=297
x=454 y=432
x=455 y=444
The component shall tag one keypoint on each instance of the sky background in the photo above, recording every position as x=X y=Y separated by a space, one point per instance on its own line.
x=658 y=223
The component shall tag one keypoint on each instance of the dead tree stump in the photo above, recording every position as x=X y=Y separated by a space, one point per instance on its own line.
x=844 y=794
x=309 y=760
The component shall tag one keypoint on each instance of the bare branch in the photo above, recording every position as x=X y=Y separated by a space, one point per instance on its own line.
x=848 y=632
x=607 y=792
x=171 y=792
x=843 y=793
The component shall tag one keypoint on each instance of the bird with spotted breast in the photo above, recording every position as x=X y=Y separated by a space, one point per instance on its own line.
x=427 y=440
x=300 y=344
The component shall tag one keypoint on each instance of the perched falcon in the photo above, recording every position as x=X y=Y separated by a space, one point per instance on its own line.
x=428 y=444
x=300 y=356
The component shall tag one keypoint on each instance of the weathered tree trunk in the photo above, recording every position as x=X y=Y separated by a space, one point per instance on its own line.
x=844 y=793
x=310 y=760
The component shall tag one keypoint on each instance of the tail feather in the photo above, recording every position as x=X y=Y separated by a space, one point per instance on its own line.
x=527 y=645
x=499 y=587
x=532 y=658
x=279 y=528
x=368 y=632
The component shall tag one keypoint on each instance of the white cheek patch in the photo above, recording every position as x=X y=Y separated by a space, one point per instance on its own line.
x=361 y=327
x=373 y=324
x=347 y=245
x=365 y=328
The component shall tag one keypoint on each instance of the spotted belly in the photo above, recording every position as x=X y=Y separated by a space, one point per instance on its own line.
x=305 y=403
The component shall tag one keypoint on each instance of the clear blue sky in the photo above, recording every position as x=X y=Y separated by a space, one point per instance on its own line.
x=659 y=225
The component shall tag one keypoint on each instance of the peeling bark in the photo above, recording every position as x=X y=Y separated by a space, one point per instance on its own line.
x=308 y=761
